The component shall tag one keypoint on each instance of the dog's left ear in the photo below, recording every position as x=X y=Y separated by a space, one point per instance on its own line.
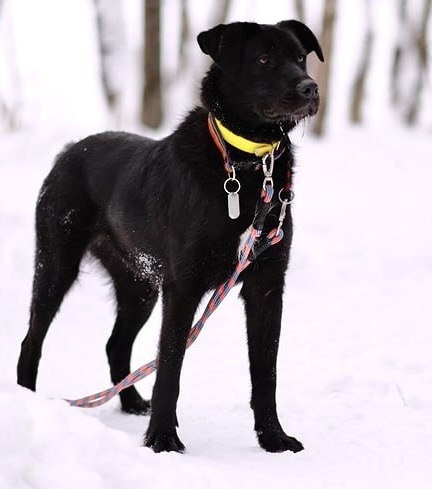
x=304 y=35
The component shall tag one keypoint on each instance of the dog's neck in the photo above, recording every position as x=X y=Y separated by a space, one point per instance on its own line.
x=217 y=98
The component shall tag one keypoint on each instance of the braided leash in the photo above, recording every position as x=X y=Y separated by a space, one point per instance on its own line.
x=254 y=246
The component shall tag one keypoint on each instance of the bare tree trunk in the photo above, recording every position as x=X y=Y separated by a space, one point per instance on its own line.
x=184 y=35
x=323 y=71
x=152 y=95
x=422 y=55
x=221 y=14
x=360 y=80
x=397 y=54
x=110 y=39
x=218 y=15
x=9 y=109
x=299 y=9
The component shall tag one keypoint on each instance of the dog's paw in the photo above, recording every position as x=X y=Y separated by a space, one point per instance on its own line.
x=135 y=404
x=164 y=442
x=278 y=441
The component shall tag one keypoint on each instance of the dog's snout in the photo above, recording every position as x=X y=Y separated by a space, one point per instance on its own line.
x=308 y=89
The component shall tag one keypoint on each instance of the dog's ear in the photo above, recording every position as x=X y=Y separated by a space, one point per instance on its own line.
x=210 y=41
x=304 y=35
x=225 y=42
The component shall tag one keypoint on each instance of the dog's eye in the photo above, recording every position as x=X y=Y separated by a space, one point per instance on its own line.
x=263 y=59
x=300 y=58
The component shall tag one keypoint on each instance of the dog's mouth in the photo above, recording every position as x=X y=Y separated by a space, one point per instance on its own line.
x=281 y=114
x=290 y=108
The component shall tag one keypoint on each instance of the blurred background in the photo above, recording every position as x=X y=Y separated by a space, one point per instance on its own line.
x=82 y=65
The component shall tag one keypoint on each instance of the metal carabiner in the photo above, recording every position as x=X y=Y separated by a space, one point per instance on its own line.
x=268 y=168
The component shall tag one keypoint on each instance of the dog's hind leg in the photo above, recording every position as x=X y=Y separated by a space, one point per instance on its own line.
x=135 y=304
x=58 y=256
x=136 y=298
x=64 y=224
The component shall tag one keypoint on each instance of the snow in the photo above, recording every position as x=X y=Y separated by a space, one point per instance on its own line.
x=355 y=363
x=58 y=74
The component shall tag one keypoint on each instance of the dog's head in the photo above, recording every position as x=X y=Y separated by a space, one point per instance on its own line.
x=261 y=70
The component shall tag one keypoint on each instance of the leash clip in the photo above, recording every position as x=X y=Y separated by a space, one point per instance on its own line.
x=285 y=203
x=282 y=215
x=267 y=167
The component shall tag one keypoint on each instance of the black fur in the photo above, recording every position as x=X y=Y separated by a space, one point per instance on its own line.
x=154 y=213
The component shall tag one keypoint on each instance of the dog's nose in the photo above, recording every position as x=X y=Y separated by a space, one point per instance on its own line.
x=308 y=89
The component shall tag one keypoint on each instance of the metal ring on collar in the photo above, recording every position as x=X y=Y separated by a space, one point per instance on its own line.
x=290 y=197
x=234 y=180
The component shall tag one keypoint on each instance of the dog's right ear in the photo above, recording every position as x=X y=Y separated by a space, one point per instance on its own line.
x=225 y=42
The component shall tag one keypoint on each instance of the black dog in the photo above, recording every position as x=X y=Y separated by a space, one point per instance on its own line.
x=155 y=214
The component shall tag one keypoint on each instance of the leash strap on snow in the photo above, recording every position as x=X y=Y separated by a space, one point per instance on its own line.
x=254 y=246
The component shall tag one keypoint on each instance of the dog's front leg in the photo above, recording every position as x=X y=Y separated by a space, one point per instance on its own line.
x=180 y=300
x=262 y=293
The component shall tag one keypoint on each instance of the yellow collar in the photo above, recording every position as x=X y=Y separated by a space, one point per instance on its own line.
x=258 y=149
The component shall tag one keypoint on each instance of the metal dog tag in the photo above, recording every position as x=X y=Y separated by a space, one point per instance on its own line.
x=233 y=196
x=233 y=205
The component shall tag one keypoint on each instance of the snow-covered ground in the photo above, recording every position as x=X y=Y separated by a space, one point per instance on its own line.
x=355 y=365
